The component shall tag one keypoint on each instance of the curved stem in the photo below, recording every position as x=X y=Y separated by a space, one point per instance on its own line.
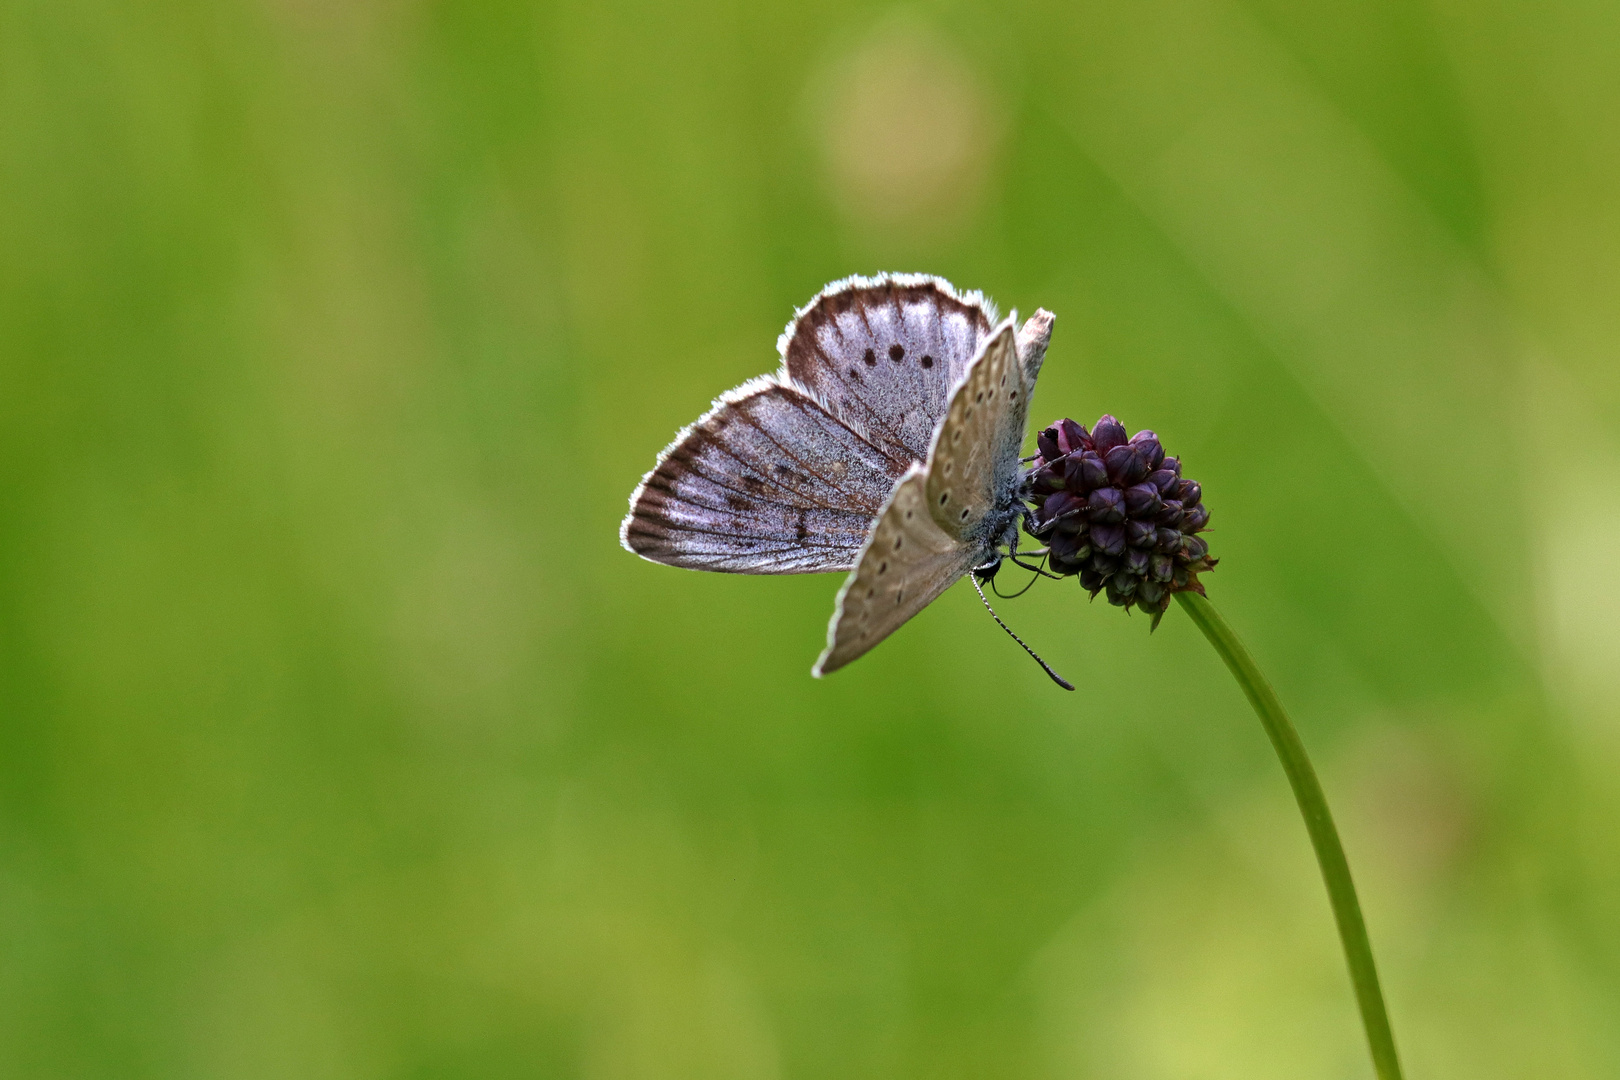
x=1318 y=822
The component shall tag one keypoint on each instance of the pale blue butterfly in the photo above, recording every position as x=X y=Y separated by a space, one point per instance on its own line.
x=887 y=445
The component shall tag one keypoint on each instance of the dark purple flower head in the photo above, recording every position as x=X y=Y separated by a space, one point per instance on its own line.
x=1114 y=510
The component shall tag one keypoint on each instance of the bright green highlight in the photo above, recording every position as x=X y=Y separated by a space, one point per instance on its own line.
x=1318 y=822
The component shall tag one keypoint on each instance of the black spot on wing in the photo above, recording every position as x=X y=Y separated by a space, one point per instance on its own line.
x=835 y=346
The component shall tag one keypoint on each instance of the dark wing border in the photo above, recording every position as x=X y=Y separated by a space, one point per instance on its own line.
x=971 y=298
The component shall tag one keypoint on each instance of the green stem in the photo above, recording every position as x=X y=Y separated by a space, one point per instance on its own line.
x=1318 y=822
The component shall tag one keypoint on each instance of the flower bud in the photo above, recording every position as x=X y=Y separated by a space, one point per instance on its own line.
x=1059 y=505
x=1108 y=434
x=1046 y=479
x=1141 y=534
x=1188 y=492
x=1136 y=561
x=1195 y=519
x=1161 y=567
x=1093 y=474
x=1109 y=539
x=1147 y=444
x=1121 y=587
x=1046 y=443
x=1142 y=501
x=1125 y=465
x=1071 y=436
x=1065 y=547
x=1106 y=504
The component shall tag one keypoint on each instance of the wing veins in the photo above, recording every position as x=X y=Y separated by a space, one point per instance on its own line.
x=691 y=465
x=857 y=396
x=773 y=536
x=797 y=459
x=814 y=504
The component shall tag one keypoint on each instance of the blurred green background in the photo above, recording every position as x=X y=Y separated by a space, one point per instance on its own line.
x=338 y=737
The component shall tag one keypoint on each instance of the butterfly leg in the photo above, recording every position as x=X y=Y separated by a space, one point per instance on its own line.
x=1014 y=554
x=1035 y=568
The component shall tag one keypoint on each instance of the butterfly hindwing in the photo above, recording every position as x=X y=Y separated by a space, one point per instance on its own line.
x=907 y=562
x=767 y=482
x=884 y=353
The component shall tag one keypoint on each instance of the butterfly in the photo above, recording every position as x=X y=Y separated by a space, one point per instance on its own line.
x=887 y=445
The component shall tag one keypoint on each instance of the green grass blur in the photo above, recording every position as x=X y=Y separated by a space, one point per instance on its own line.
x=338 y=737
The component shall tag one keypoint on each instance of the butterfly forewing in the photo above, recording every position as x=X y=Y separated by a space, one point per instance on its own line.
x=884 y=354
x=908 y=561
x=1033 y=338
x=767 y=482
x=973 y=464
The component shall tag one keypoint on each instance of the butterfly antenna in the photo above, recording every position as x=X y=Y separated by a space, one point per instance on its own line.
x=1060 y=680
